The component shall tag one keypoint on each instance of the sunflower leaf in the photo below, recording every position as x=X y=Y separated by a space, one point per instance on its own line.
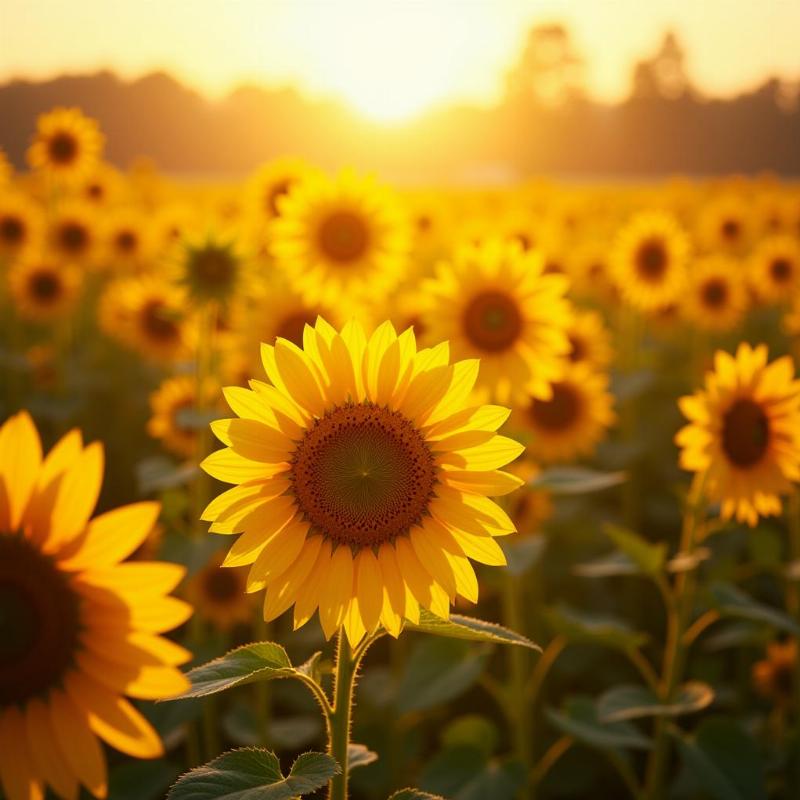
x=414 y=794
x=649 y=558
x=359 y=755
x=255 y=774
x=476 y=630
x=731 y=601
x=576 y=480
x=632 y=702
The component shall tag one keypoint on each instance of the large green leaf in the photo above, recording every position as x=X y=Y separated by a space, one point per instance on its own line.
x=260 y=661
x=731 y=601
x=631 y=701
x=359 y=755
x=476 y=630
x=580 y=720
x=254 y=774
x=580 y=626
x=647 y=556
x=576 y=480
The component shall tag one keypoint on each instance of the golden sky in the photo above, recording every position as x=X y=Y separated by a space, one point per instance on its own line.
x=391 y=58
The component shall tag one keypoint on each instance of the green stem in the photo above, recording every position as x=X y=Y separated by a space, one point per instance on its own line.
x=340 y=714
x=675 y=651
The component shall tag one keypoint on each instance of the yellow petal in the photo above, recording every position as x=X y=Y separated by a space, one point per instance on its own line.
x=254 y=440
x=230 y=467
x=307 y=600
x=369 y=588
x=135 y=680
x=336 y=591
x=17 y=767
x=282 y=591
x=493 y=483
x=393 y=608
x=281 y=550
x=496 y=453
x=47 y=757
x=297 y=374
x=20 y=462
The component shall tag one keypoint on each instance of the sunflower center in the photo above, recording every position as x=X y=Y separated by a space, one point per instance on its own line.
x=63 y=148
x=95 y=191
x=560 y=411
x=553 y=267
x=291 y=327
x=492 y=321
x=39 y=621
x=12 y=230
x=45 y=285
x=731 y=229
x=157 y=322
x=651 y=260
x=524 y=240
x=577 y=349
x=278 y=190
x=343 y=237
x=781 y=270
x=715 y=293
x=745 y=433
x=126 y=241
x=221 y=585
x=213 y=268
x=363 y=475
x=73 y=237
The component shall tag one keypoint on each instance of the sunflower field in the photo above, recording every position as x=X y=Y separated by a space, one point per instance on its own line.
x=314 y=486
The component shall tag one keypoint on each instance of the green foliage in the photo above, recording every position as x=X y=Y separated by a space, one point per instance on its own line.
x=632 y=701
x=600 y=629
x=649 y=558
x=476 y=630
x=731 y=601
x=579 y=718
x=576 y=480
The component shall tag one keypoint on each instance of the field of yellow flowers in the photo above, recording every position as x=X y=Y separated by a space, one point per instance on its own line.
x=488 y=492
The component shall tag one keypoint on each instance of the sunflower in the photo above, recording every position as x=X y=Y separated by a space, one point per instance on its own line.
x=101 y=186
x=67 y=144
x=43 y=289
x=744 y=433
x=589 y=340
x=717 y=297
x=211 y=265
x=649 y=260
x=493 y=302
x=340 y=239
x=362 y=476
x=21 y=224
x=73 y=234
x=572 y=421
x=79 y=629
x=271 y=183
x=220 y=595
x=775 y=268
x=128 y=245
x=774 y=675
x=725 y=224
x=173 y=414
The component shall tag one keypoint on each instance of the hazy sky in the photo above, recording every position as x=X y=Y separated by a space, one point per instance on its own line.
x=391 y=58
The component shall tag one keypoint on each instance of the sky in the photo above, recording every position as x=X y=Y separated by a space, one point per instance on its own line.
x=391 y=59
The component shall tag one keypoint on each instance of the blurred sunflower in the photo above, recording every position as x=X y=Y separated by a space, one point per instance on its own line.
x=775 y=268
x=362 y=476
x=340 y=239
x=173 y=420
x=21 y=224
x=126 y=236
x=493 y=302
x=67 y=144
x=101 y=186
x=72 y=233
x=43 y=289
x=717 y=297
x=211 y=266
x=589 y=340
x=744 y=433
x=649 y=260
x=271 y=183
x=725 y=224
x=79 y=629
x=774 y=676
x=220 y=595
x=572 y=421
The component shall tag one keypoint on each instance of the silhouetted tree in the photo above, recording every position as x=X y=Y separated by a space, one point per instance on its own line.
x=664 y=75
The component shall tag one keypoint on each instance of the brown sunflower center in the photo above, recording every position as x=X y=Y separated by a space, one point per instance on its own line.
x=553 y=267
x=578 y=348
x=651 y=260
x=39 y=621
x=343 y=236
x=731 y=229
x=221 y=586
x=126 y=241
x=158 y=323
x=292 y=325
x=73 y=237
x=212 y=269
x=780 y=270
x=492 y=321
x=524 y=240
x=62 y=148
x=363 y=475
x=45 y=285
x=12 y=229
x=95 y=191
x=560 y=411
x=745 y=433
x=715 y=293
x=276 y=192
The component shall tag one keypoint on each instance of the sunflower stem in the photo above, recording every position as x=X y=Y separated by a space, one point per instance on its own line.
x=339 y=716
x=676 y=650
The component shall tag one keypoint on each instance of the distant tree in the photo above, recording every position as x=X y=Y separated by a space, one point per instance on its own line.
x=664 y=74
x=549 y=70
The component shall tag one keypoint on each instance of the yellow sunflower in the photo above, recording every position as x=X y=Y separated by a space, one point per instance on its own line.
x=649 y=260
x=21 y=224
x=340 y=239
x=362 y=476
x=572 y=421
x=172 y=419
x=744 y=433
x=493 y=302
x=127 y=240
x=220 y=595
x=271 y=183
x=774 y=675
x=72 y=233
x=589 y=340
x=44 y=289
x=716 y=298
x=775 y=268
x=67 y=144
x=211 y=265
x=725 y=224
x=79 y=628
x=101 y=186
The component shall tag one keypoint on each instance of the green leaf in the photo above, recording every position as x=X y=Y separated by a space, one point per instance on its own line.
x=648 y=557
x=724 y=760
x=359 y=755
x=731 y=601
x=414 y=794
x=576 y=480
x=633 y=701
x=254 y=774
x=580 y=720
x=472 y=730
x=260 y=661
x=438 y=671
x=580 y=626
x=476 y=630
x=142 y=780
x=607 y=566
x=463 y=773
